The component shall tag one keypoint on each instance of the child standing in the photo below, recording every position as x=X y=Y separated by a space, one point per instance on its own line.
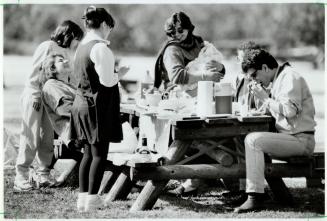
x=96 y=108
x=37 y=134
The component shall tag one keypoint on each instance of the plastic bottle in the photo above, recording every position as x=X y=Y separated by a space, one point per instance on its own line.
x=146 y=83
x=144 y=143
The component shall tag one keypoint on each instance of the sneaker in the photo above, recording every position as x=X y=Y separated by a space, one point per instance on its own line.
x=180 y=192
x=22 y=186
x=44 y=180
x=81 y=201
x=93 y=202
x=254 y=202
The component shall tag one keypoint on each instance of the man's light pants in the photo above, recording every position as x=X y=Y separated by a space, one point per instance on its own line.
x=277 y=145
x=36 y=139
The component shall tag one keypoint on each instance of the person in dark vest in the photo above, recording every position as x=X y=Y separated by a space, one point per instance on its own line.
x=96 y=108
x=181 y=47
x=291 y=105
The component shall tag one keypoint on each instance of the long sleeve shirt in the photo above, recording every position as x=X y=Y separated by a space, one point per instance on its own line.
x=103 y=59
x=291 y=103
x=175 y=60
x=46 y=48
x=58 y=98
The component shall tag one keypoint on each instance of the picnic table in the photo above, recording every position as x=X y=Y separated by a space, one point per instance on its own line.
x=214 y=132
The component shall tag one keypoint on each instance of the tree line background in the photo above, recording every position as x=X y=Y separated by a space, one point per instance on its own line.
x=139 y=27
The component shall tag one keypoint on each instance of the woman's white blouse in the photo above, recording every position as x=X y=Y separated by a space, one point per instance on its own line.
x=103 y=59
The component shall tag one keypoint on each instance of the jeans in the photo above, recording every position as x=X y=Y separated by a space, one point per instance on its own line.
x=36 y=140
x=277 y=145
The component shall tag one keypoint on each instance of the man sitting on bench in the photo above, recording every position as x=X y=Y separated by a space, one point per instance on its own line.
x=291 y=105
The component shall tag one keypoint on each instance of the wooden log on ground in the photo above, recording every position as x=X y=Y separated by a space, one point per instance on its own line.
x=150 y=193
x=121 y=187
x=110 y=176
x=214 y=171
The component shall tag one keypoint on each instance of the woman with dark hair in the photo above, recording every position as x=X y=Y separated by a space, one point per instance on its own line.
x=96 y=108
x=181 y=47
x=171 y=69
x=37 y=135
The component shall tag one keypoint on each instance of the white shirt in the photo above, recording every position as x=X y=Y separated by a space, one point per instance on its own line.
x=103 y=59
x=292 y=103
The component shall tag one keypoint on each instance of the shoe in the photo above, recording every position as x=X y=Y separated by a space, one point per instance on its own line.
x=236 y=198
x=44 y=180
x=239 y=199
x=254 y=202
x=23 y=186
x=93 y=202
x=180 y=191
x=236 y=193
x=81 y=199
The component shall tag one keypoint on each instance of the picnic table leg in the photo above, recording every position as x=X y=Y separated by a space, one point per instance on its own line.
x=121 y=187
x=153 y=189
x=279 y=189
x=110 y=176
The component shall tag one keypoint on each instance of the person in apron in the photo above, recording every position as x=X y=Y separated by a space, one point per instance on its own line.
x=96 y=108
x=36 y=137
x=291 y=105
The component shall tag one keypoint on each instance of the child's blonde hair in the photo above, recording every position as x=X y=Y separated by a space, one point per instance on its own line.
x=48 y=69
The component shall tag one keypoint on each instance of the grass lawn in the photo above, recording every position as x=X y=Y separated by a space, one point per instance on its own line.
x=60 y=203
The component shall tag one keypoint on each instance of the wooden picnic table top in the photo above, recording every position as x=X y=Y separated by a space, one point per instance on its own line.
x=194 y=120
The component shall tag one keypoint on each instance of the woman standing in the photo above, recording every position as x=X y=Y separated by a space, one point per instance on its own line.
x=96 y=110
x=36 y=137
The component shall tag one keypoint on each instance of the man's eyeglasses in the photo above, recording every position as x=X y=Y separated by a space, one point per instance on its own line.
x=180 y=30
x=253 y=75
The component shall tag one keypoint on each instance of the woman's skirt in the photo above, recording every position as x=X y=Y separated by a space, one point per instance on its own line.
x=96 y=118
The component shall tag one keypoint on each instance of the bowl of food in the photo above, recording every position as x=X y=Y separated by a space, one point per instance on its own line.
x=153 y=99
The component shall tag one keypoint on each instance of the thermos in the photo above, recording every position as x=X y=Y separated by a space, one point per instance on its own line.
x=223 y=96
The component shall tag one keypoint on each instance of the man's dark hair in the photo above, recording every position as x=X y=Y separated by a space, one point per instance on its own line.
x=256 y=58
x=249 y=45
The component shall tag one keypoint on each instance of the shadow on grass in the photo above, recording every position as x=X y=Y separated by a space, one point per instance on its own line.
x=307 y=200
x=60 y=203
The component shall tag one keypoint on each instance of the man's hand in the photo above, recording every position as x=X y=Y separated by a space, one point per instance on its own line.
x=37 y=104
x=258 y=91
x=122 y=71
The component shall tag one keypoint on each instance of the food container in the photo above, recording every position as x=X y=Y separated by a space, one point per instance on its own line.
x=153 y=99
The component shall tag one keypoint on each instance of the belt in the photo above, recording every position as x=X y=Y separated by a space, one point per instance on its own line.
x=307 y=132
